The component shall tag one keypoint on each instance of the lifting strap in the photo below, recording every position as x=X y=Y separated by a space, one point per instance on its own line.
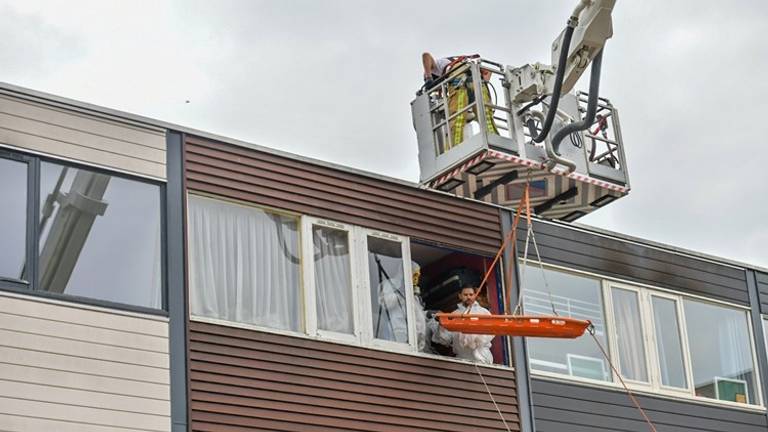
x=512 y=235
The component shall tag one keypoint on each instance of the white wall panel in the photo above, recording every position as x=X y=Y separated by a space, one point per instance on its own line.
x=97 y=139
x=72 y=367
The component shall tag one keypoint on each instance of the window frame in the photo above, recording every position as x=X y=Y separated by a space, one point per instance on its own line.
x=760 y=402
x=608 y=287
x=361 y=291
x=365 y=290
x=647 y=292
x=301 y=331
x=30 y=260
x=308 y=280
x=684 y=346
x=31 y=287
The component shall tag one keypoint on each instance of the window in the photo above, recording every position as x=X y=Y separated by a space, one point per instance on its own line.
x=244 y=264
x=13 y=219
x=333 y=280
x=669 y=346
x=721 y=352
x=95 y=235
x=99 y=236
x=629 y=334
x=659 y=342
x=571 y=296
x=300 y=274
x=389 y=297
x=330 y=266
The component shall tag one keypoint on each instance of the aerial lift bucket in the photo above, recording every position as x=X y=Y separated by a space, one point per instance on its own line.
x=475 y=141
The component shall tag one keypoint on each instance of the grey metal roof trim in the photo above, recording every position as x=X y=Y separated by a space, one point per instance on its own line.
x=26 y=93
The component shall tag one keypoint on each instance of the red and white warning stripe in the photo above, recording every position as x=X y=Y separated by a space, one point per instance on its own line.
x=459 y=169
x=493 y=154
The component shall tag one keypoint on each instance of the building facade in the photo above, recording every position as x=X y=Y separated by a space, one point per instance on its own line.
x=155 y=278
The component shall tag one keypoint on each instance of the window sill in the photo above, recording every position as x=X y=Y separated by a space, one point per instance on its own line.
x=337 y=341
x=610 y=386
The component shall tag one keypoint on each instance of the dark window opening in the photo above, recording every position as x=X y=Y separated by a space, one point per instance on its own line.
x=443 y=274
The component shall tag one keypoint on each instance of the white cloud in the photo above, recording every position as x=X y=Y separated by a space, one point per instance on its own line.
x=333 y=80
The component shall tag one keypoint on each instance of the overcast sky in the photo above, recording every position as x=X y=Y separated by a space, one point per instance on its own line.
x=333 y=80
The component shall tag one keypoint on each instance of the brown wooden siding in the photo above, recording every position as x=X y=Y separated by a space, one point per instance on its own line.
x=568 y=247
x=244 y=380
x=277 y=181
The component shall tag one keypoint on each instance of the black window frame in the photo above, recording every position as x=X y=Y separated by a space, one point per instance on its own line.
x=5 y=281
x=32 y=254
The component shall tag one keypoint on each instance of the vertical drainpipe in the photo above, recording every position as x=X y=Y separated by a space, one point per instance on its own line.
x=176 y=269
x=758 y=330
x=519 y=348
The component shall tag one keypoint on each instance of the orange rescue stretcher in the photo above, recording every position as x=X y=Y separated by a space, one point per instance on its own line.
x=514 y=325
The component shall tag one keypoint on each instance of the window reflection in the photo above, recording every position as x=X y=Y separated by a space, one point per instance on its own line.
x=668 y=346
x=13 y=195
x=388 y=295
x=575 y=297
x=99 y=236
x=721 y=352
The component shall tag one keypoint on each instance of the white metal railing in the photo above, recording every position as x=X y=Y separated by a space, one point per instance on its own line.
x=537 y=302
x=604 y=142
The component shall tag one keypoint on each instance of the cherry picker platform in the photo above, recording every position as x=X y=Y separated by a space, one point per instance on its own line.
x=484 y=130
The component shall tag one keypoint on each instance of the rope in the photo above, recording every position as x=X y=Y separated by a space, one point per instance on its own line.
x=490 y=395
x=631 y=395
x=511 y=236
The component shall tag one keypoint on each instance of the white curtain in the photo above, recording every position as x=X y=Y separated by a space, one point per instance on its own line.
x=629 y=335
x=735 y=352
x=333 y=283
x=661 y=321
x=244 y=264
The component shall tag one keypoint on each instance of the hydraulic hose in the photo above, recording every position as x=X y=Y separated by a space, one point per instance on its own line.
x=559 y=76
x=594 y=89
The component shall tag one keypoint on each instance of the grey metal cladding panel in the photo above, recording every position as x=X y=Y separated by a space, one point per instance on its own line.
x=762 y=288
x=585 y=251
x=564 y=407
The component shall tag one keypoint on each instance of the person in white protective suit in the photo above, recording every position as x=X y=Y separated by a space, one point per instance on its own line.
x=420 y=316
x=466 y=346
x=390 y=323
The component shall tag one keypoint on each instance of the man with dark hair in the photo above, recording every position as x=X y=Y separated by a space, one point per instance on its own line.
x=467 y=346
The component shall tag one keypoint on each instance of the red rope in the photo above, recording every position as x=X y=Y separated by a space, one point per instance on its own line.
x=511 y=236
x=629 y=392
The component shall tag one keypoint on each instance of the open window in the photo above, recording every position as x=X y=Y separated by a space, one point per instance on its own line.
x=443 y=273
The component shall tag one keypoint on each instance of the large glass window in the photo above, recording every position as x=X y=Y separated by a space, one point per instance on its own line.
x=244 y=264
x=13 y=219
x=389 y=298
x=669 y=348
x=657 y=341
x=629 y=334
x=571 y=296
x=333 y=280
x=99 y=236
x=721 y=352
